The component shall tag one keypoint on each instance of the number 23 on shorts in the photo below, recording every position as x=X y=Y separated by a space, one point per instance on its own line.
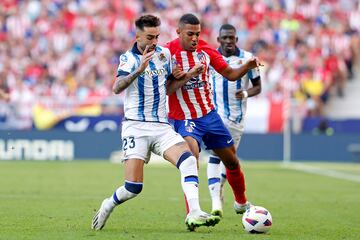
x=128 y=142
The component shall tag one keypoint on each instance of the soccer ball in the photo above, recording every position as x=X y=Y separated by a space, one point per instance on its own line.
x=257 y=220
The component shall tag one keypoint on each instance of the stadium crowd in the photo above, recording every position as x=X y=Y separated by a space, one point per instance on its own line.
x=66 y=51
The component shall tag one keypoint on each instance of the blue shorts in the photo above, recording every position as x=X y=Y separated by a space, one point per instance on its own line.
x=209 y=128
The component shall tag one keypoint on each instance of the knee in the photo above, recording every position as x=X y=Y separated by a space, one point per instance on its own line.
x=134 y=187
x=187 y=164
x=231 y=162
x=186 y=160
x=233 y=165
x=233 y=149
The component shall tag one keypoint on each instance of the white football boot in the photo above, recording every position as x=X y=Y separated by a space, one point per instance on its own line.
x=241 y=208
x=99 y=220
x=199 y=218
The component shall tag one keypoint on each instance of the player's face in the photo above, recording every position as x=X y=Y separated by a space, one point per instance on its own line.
x=227 y=40
x=149 y=36
x=189 y=36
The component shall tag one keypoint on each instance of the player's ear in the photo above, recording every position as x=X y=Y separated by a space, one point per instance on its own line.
x=178 y=31
x=218 y=39
x=137 y=36
x=236 y=39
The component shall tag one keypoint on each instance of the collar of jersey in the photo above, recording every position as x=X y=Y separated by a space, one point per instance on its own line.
x=136 y=50
x=237 y=51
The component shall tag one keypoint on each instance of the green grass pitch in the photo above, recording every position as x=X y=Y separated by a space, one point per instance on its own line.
x=56 y=200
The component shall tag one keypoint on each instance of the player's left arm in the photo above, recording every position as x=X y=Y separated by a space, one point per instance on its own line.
x=253 y=91
x=232 y=74
x=179 y=78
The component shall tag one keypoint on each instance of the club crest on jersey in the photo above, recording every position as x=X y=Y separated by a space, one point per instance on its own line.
x=201 y=57
x=162 y=57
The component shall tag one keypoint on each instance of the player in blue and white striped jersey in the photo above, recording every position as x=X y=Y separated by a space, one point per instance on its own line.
x=230 y=102
x=143 y=73
x=145 y=99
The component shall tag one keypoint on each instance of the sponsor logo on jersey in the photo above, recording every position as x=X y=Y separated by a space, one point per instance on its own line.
x=194 y=82
x=156 y=72
x=123 y=60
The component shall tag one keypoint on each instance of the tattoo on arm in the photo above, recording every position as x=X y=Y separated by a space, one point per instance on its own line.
x=123 y=82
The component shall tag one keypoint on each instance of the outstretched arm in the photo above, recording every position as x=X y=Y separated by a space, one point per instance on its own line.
x=122 y=82
x=233 y=74
x=180 y=78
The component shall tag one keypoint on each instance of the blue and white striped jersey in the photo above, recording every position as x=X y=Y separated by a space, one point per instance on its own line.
x=226 y=104
x=145 y=98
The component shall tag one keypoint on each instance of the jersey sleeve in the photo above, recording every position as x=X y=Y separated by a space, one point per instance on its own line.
x=126 y=65
x=253 y=74
x=169 y=60
x=169 y=65
x=216 y=60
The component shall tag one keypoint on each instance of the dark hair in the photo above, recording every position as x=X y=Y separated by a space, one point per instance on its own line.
x=189 y=18
x=147 y=21
x=227 y=27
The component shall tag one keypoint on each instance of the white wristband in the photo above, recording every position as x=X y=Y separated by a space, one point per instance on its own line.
x=245 y=94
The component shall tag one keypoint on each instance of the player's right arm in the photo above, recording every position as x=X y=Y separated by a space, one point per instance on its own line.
x=179 y=78
x=126 y=77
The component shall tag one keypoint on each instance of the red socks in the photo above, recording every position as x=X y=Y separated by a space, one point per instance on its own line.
x=236 y=180
x=186 y=205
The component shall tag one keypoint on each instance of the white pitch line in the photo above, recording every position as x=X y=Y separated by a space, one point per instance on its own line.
x=323 y=172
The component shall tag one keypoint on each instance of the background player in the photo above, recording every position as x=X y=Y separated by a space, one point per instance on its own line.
x=142 y=73
x=232 y=110
x=4 y=95
x=192 y=108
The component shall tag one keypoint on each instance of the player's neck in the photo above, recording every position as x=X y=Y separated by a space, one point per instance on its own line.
x=227 y=54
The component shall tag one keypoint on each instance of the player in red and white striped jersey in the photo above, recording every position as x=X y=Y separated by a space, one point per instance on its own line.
x=191 y=105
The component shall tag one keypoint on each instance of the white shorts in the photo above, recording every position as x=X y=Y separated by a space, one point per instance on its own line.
x=236 y=130
x=141 y=138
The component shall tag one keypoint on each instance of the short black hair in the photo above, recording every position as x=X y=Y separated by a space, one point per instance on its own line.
x=189 y=18
x=147 y=21
x=227 y=27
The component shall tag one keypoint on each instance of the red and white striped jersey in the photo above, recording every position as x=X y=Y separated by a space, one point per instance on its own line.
x=194 y=99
